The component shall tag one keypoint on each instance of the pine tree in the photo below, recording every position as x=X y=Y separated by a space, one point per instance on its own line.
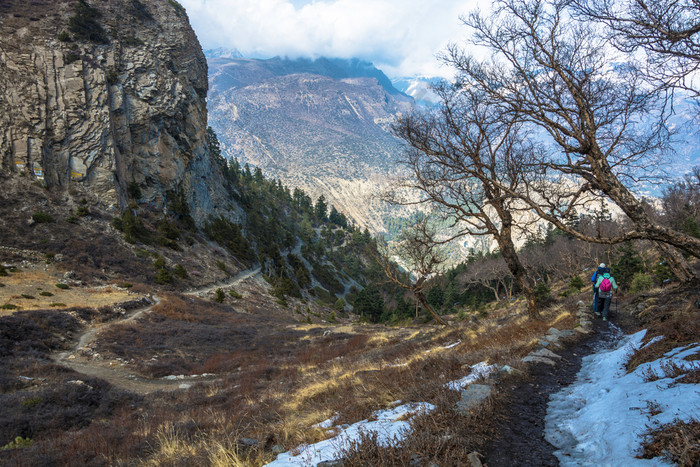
x=258 y=176
x=627 y=264
x=321 y=209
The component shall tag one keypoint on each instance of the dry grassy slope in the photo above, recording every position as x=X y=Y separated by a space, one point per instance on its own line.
x=274 y=378
x=92 y=247
x=33 y=287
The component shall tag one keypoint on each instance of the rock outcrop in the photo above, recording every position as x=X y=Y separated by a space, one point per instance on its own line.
x=109 y=97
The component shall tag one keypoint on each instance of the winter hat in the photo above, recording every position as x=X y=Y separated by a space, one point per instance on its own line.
x=602 y=265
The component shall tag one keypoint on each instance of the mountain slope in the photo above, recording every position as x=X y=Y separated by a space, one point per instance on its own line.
x=320 y=125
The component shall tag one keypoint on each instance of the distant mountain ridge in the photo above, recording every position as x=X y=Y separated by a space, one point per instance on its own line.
x=419 y=88
x=323 y=125
x=335 y=68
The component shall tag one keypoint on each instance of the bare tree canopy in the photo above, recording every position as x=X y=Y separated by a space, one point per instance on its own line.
x=464 y=160
x=423 y=257
x=549 y=70
x=668 y=31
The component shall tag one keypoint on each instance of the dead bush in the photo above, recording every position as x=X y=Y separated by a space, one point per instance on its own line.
x=678 y=442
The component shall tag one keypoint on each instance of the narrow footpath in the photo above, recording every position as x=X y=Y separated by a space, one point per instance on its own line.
x=120 y=375
x=522 y=439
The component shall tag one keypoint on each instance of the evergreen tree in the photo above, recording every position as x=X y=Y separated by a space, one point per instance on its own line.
x=436 y=297
x=213 y=143
x=403 y=309
x=247 y=174
x=301 y=200
x=307 y=232
x=627 y=264
x=338 y=218
x=451 y=295
x=258 y=176
x=321 y=209
x=369 y=303
x=573 y=220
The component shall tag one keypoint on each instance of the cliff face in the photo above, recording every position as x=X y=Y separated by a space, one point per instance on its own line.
x=109 y=96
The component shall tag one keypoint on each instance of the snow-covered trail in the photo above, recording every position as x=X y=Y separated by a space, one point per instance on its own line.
x=600 y=419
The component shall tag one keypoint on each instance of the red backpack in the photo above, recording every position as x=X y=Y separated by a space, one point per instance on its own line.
x=605 y=287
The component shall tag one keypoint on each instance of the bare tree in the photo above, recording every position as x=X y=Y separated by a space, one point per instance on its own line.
x=681 y=202
x=460 y=158
x=491 y=274
x=423 y=257
x=668 y=31
x=555 y=73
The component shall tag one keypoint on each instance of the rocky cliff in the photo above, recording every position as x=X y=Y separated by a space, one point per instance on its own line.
x=107 y=96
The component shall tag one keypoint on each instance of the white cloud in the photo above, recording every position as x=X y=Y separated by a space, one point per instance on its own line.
x=400 y=36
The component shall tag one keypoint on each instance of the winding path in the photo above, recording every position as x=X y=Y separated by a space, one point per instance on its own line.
x=122 y=376
x=237 y=279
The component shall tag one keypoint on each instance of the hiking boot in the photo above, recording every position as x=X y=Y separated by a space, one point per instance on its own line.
x=597 y=314
x=605 y=319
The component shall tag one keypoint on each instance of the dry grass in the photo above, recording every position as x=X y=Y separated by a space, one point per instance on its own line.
x=679 y=442
x=442 y=436
x=677 y=320
x=671 y=369
x=275 y=381
x=33 y=280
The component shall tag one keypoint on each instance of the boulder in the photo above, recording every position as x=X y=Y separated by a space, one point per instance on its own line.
x=508 y=370
x=474 y=459
x=248 y=442
x=472 y=396
x=545 y=353
x=534 y=359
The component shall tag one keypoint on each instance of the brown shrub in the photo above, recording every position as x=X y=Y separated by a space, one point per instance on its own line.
x=678 y=441
x=442 y=436
x=678 y=329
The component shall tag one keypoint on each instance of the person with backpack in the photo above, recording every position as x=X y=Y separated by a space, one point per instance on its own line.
x=606 y=285
x=598 y=273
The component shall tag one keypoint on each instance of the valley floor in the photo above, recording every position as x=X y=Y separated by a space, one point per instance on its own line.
x=189 y=381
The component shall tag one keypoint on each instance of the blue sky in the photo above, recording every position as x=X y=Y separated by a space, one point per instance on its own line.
x=402 y=37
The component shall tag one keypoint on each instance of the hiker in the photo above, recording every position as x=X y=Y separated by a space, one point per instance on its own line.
x=598 y=272
x=605 y=285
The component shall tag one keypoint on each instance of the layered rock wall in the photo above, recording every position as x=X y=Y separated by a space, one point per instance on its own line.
x=108 y=117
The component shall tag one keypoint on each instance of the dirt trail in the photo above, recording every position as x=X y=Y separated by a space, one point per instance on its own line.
x=237 y=279
x=121 y=376
x=521 y=428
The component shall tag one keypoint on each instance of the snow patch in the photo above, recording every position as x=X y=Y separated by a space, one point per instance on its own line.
x=448 y=346
x=480 y=370
x=391 y=425
x=653 y=341
x=601 y=417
